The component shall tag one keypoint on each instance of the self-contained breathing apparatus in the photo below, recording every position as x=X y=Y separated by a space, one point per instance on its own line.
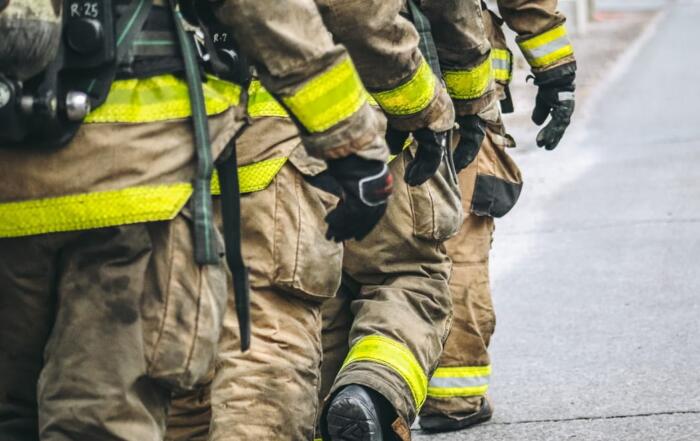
x=103 y=40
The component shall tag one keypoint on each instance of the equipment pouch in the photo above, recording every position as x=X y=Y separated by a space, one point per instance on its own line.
x=496 y=181
x=435 y=205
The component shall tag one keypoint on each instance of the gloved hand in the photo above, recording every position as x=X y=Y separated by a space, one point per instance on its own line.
x=472 y=131
x=555 y=97
x=431 y=149
x=366 y=186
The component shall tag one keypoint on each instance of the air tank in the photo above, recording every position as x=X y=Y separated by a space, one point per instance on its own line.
x=30 y=32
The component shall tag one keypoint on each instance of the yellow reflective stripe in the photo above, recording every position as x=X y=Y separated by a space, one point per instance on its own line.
x=412 y=96
x=160 y=98
x=463 y=381
x=328 y=99
x=502 y=62
x=395 y=356
x=93 y=210
x=253 y=177
x=548 y=47
x=261 y=103
x=372 y=102
x=468 y=84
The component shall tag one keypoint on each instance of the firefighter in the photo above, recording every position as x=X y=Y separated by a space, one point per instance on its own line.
x=270 y=391
x=113 y=286
x=477 y=68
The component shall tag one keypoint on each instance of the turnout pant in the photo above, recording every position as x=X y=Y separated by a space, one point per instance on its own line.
x=270 y=391
x=97 y=327
x=490 y=187
x=386 y=327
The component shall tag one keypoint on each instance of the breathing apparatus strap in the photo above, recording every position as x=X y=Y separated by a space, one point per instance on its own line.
x=205 y=249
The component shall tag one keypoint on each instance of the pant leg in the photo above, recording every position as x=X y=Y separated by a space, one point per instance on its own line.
x=490 y=186
x=401 y=302
x=270 y=392
x=462 y=380
x=136 y=317
x=27 y=273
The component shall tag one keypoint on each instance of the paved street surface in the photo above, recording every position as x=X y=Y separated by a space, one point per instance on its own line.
x=597 y=270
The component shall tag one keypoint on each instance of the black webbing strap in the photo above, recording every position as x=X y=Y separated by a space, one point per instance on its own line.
x=126 y=28
x=427 y=43
x=231 y=212
x=204 y=246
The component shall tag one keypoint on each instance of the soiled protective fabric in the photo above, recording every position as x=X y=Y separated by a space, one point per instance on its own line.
x=384 y=47
x=393 y=311
x=97 y=327
x=265 y=392
x=462 y=378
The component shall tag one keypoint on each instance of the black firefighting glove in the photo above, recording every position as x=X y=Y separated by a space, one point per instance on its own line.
x=431 y=149
x=555 y=97
x=365 y=189
x=472 y=131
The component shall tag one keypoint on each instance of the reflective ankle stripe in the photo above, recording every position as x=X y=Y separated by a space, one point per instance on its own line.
x=547 y=48
x=411 y=97
x=93 y=210
x=329 y=98
x=395 y=356
x=161 y=98
x=502 y=63
x=253 y=177
x=467 y=84
x=469 y=381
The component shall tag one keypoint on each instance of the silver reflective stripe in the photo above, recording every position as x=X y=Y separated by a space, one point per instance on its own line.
x=459 y=382
x=566 y=96
x=501 y=64
x=546 y=49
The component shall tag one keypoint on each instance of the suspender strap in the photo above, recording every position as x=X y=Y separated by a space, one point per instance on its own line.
x=427 y=43
x=231 y=211
x=205 y=249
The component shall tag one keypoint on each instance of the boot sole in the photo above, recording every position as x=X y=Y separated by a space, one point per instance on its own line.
x=350 y=420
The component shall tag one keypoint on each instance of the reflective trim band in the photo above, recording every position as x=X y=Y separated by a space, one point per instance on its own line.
x=161 y=98
x=372 y=102
x=448 y=382
x=253 y=177
x=329 y=98
x=468 y=84
x=261 y=102
x=395 y=356
x=502 y=64
x=547 y=48
x=93 y=210
x=412 y=96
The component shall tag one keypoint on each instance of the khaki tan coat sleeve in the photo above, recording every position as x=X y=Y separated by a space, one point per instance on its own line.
x=384 y=47
x=299 y=63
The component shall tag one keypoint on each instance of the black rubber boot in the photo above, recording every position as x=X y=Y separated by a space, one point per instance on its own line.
x=438 y=423
x=355 y=414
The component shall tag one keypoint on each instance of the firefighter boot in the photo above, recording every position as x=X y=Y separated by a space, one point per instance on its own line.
x=357 y=413
x=439 y=423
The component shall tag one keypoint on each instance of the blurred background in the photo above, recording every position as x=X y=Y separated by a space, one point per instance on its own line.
x=596 y=271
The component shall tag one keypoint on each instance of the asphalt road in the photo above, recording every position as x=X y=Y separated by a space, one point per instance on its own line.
x=596 y=273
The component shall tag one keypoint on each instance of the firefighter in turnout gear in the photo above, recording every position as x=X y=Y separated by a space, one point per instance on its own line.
x=290 y=279
x=107 y=245
x=489 y=179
